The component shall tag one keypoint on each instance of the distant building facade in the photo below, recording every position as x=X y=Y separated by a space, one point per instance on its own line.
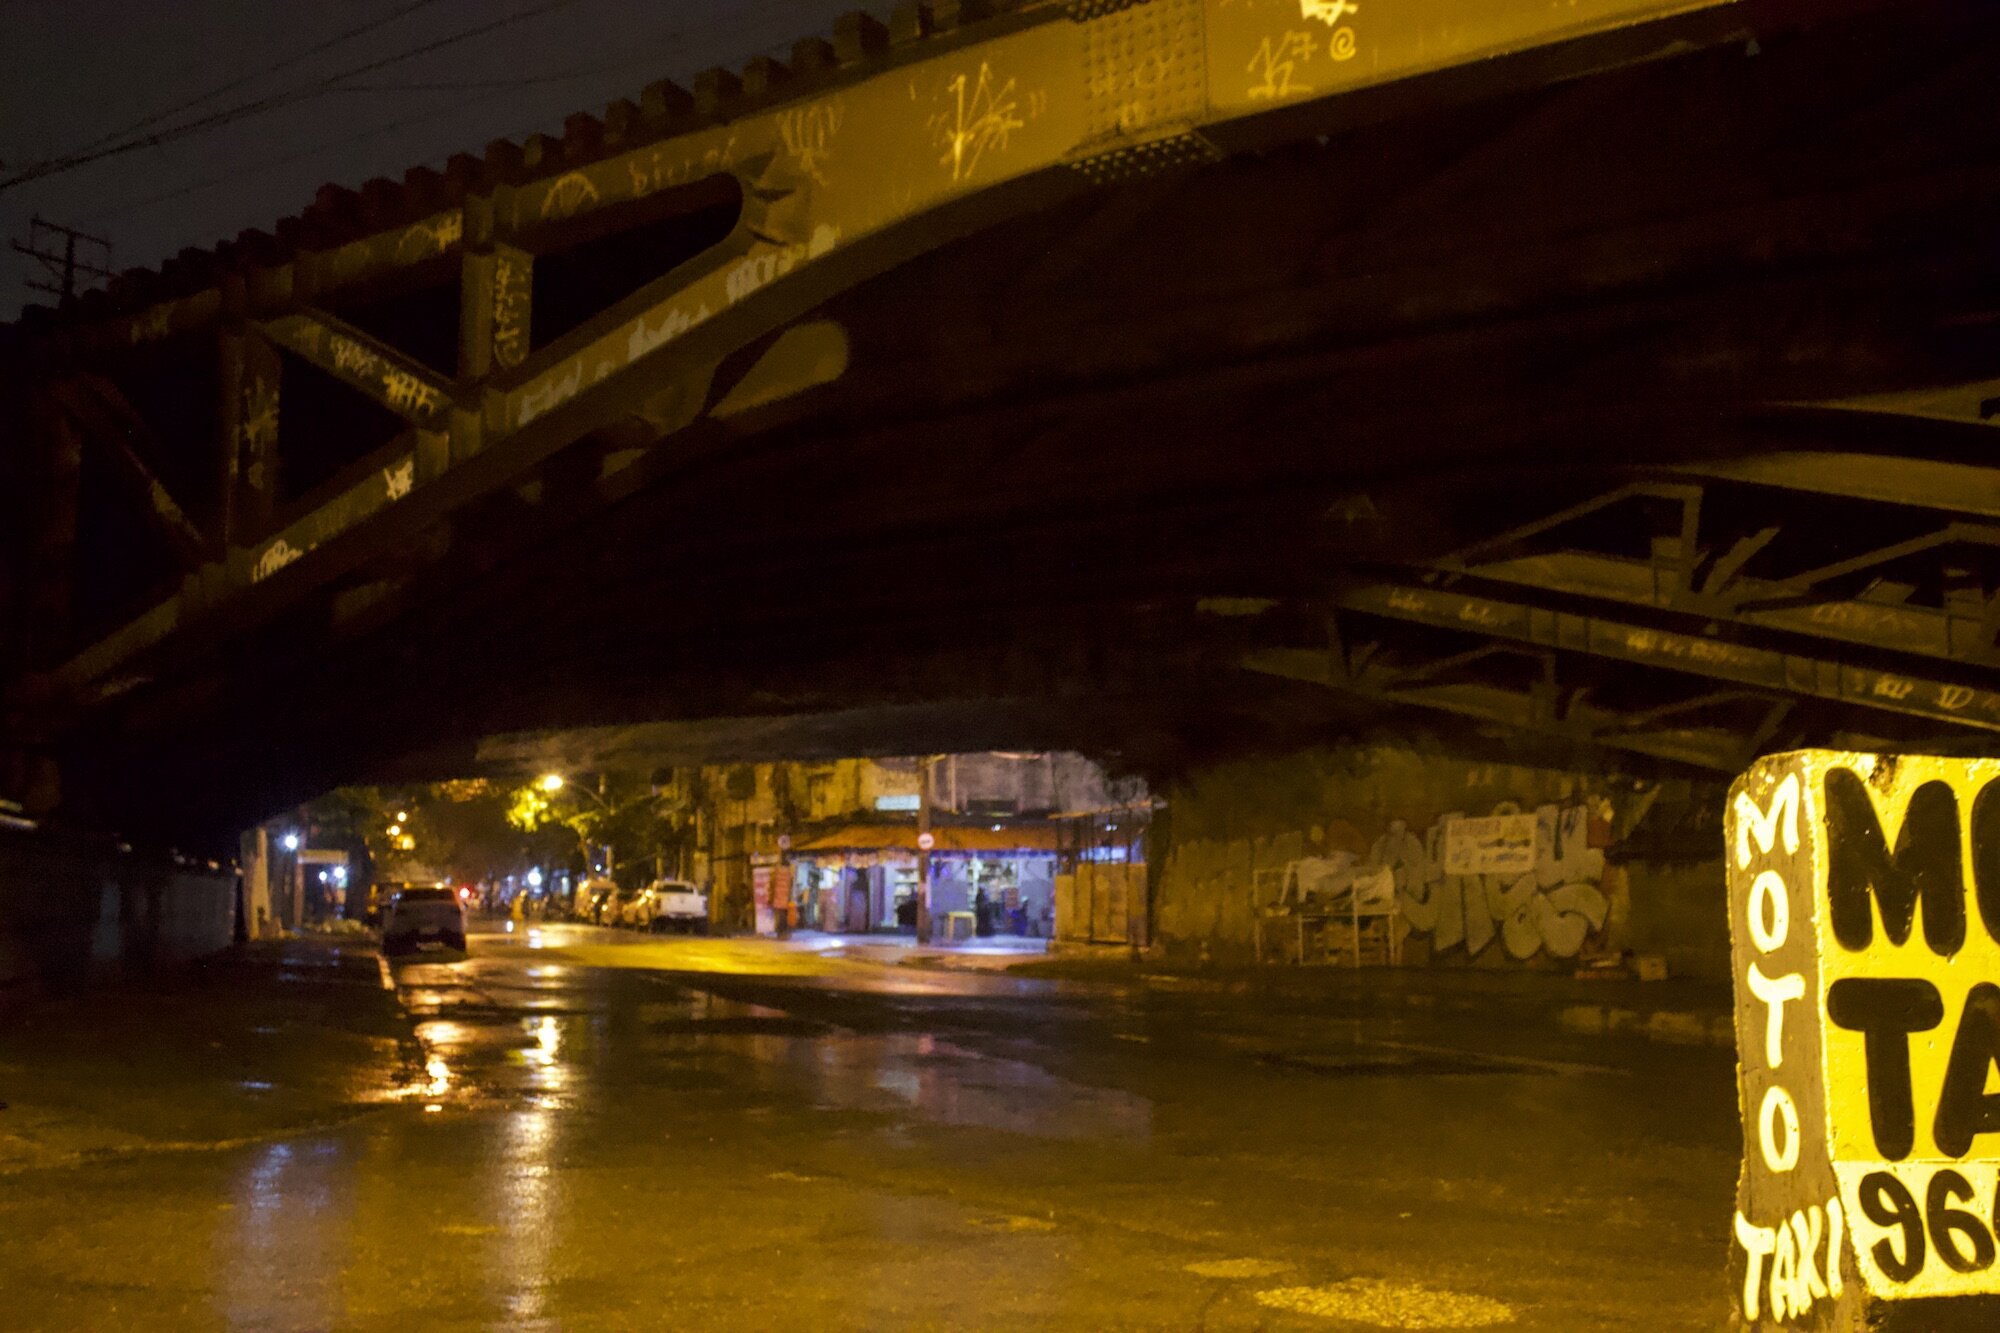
x=834 y=845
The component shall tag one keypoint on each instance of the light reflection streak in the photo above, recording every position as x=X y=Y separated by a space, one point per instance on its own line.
x=526 y=1205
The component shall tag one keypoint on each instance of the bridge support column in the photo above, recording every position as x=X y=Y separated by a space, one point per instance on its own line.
x=255 y=855
x=496 y=303
x=1867 y=1027
x=250 y=377
x=52 y=559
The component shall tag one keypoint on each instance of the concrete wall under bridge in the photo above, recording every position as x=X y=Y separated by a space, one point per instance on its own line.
x=1617 y=864
x=73 y=911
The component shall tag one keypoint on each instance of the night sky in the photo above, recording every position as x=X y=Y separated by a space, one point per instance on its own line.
x=76 y=73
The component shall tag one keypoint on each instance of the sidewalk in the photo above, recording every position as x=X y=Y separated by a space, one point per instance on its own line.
x=1681 y=1011
x=261 y=1040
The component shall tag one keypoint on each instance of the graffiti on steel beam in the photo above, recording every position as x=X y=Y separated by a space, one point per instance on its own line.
x=257 y=427
x=808 y=133
x=551 y=394
x=567 y=194
x=275 y=557
x=980 y=115
x=399 y=480
x=761 y=269
x=431 y=237
x=662 y=169
x=647 y=338
x=513 y=288
x=402 y=390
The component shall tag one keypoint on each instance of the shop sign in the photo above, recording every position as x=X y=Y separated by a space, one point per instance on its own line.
x=1864 y=901
x=1491 y=845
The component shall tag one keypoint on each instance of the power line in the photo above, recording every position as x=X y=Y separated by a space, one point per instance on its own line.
x=498 y=88
x=287 y=62
x=241 y=111
x=495 y=89
x=63 y=267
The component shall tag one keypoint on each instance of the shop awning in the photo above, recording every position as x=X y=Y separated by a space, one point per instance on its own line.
x=1019 y=839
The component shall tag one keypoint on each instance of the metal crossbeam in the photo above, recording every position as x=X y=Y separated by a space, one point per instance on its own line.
x=856 y=159
x=1770 y=670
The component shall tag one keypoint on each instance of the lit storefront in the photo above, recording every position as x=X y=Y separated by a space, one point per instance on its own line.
x=862 y=877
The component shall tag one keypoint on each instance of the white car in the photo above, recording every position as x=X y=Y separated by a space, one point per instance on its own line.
x=424 y=921
x=670 y=903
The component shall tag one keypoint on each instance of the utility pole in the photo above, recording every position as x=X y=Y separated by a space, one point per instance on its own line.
x=55 y=246
x=924 y=850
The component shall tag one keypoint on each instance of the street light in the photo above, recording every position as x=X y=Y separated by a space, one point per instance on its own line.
x=554 y=782
x=291 y=841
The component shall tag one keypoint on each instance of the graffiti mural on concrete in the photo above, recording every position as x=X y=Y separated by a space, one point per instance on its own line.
x=1552 y=906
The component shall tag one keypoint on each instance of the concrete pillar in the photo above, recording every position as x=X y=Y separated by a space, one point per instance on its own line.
x=1867 y=1028
x=256 y=858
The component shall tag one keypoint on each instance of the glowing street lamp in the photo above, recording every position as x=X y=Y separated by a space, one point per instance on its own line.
x=551 y=783
x=291 y=841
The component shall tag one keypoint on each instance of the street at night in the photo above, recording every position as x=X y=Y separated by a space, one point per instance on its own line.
x=1007 y=664
x=798 y=1140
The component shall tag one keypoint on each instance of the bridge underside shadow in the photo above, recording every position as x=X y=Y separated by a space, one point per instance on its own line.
x=1638 y=414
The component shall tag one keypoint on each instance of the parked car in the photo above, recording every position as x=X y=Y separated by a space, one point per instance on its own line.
x=424 y=920
x=671 y=904
x=597 y=902
x=635 y=908
x=382 y=895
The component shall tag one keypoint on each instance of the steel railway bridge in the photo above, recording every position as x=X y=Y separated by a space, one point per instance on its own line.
x=1614 y=374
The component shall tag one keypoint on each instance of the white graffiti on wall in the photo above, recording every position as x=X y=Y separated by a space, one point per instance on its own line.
x=1552 y=907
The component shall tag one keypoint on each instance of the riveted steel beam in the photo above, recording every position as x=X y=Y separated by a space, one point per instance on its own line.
x=858 y=163
x=114 y=424
x=1771 y=670
x=398 y=382
x=1708 y=747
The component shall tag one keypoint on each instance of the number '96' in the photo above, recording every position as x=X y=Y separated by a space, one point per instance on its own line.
x=1962 y=1239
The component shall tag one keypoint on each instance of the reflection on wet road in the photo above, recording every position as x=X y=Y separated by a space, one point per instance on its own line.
x=580 y=1146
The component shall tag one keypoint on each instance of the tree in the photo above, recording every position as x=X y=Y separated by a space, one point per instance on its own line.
x=636 y=818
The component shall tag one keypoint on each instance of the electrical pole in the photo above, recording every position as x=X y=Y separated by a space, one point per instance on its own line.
x=924 y=924
x=55 y=246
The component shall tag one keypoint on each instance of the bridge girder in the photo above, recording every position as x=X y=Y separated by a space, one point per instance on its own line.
x=873 y=154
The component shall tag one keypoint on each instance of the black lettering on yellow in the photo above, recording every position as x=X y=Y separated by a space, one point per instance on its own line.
x=1986 y=856
x=1924 y=866
x=1965 y=1109
x=1886 y=1011
x=1888 y=1204
x=1946 y=1222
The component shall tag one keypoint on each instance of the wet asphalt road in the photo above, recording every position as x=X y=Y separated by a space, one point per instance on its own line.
x=593 y=1143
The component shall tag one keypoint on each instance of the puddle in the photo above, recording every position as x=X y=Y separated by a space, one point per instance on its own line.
x=1390 y=1305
